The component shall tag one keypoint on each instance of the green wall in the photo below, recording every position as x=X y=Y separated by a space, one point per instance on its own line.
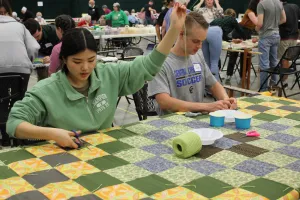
x=52 y=8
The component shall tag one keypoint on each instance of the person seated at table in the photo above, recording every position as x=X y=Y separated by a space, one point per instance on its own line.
x=117 y=16
x=247 y=24
x=228 y=23
x=45 y=35
x=83 y=95
x=132 y=19
x=17 y=51
x=15 y=16
x=86 y=21
x=209 y=11
x=105 y=9
x=39 y=18
x=63 y=23
x=26 y=14
x=180 y=85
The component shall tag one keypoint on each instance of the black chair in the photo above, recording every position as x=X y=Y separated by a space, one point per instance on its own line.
x=130 y=53
x=297 y=75
x=291 y=54
x=144 y=105
x=11 y=90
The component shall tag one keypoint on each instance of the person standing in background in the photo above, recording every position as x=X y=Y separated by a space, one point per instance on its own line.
x=117 y=17
x=270 y=14
x=148 y=8
x=26 y=14
x=93 y=11
x=209 y=12
x=288 y=32
x=167 y=20
x=160 y=20
x=106 y=10
x=39 y=18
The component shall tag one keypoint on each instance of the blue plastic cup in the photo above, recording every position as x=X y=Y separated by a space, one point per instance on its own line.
x=217 y=119
x=243 y=121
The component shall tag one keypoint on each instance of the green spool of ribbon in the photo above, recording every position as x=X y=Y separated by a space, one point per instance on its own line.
x=187 y=145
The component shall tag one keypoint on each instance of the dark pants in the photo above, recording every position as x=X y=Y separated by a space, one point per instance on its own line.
x=148 y=21
x=3 y=108
x=234 y=55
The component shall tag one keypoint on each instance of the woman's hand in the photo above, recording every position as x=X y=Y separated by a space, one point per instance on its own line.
x=64 y=138
x=178 y=16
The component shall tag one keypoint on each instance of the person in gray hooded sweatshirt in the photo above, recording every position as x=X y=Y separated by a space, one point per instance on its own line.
x=17 y=47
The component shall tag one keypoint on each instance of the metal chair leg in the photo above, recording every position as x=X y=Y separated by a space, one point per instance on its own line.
x=253 y=69
x=264 y=82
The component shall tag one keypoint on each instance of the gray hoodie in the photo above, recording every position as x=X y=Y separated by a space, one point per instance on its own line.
x=17 y=47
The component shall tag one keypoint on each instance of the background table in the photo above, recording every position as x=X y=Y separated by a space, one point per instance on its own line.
x=137 y=161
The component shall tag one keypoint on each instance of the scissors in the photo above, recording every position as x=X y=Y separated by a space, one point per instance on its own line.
x=77 y=137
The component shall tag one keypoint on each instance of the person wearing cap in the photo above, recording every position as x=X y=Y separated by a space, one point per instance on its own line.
x=105 y=9
x=117 y=16
x=26 y=14
x=39 y=18
x=93 y=11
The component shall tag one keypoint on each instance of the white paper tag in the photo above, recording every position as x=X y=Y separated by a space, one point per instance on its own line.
x=48 y=45
x=197 y=67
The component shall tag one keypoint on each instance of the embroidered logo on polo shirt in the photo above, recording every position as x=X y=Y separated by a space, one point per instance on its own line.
x=100 y=103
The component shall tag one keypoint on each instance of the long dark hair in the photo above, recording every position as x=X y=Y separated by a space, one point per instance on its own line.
x=6 y=5
x=65 y=22
x=75 y=41
x=253 y=5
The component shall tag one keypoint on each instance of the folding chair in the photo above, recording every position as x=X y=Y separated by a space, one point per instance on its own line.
x=291 y=54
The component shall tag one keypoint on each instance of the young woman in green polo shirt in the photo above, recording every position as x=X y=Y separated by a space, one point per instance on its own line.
x=83 y=95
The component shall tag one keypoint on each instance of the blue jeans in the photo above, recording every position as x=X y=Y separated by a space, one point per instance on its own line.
x=212 y=48
x=268 y=47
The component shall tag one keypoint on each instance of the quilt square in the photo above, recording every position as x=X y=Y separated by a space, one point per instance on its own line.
x=266 y=144
x=134 y=155
x=45 y=150
x=233 y=177
x=107 y=162
x=180 y=175
x=178 y=193
x=241 y=137
x=288 y=122
x=177 y=129
x=289 y=151
x=15 y=155
x=160 y=135
x=278 y=112
x=6 y=172
x=277 y=159
x=160 y=123
x=41 y=178
x=238 y=193
x=127 y=173
x=294 y=116
x=28 y=166
x=28 y=195
x=13 y=186
x=96 y=139
x=121 y=191
x=118 y=134
x=259 y=108
x=158 y=149
x=179 y=119
x=295 y=166
x=77 y=169
x=59 y=159
x=88 y=153
x=205 y=167
x=156 y=164
x=197 y=124
x=114 y=147
x=248 y=150
x=285 y=176
x=255 y=167
x=290 y=108
x=266 y=117
x=208 y=151
x=141 y=129
x=273 y=127
x=137 y=141
x=227 y=158
x=283 y=138
x=63 y=190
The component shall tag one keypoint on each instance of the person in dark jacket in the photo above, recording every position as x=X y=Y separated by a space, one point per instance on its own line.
x=93 y=11
x=27 y=14
x=45 y=35
x=288 y=31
